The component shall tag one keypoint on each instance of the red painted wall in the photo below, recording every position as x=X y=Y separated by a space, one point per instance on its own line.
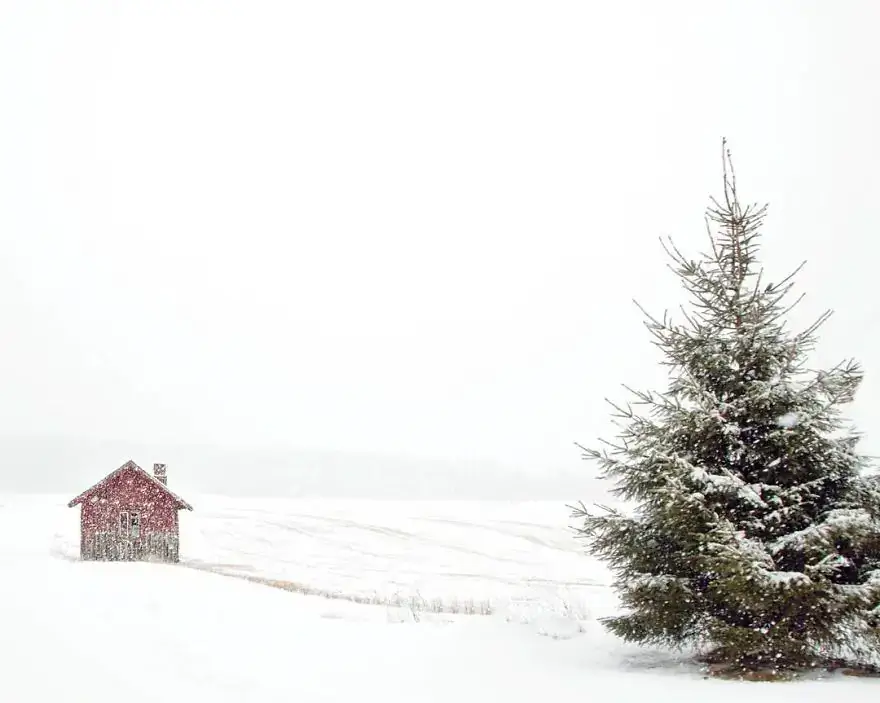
x=129 y=490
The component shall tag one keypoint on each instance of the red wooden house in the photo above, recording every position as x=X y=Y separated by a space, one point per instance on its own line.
x=130 y=515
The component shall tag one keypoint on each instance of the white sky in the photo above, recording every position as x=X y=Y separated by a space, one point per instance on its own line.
x=405 y=227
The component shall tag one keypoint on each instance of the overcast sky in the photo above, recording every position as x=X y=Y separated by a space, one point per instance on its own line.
x=409 y=228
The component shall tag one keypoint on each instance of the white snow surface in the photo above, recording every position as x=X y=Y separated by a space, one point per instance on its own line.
x=99 y=632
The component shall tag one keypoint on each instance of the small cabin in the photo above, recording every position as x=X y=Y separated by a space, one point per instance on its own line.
x=130 y=515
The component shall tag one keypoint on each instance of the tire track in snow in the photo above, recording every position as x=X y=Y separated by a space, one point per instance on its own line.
x=395 y=533
x=507 y=533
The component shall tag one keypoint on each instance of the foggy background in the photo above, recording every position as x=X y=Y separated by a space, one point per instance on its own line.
x=390 y=248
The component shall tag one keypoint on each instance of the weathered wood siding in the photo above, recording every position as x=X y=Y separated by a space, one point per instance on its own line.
x=110 y=546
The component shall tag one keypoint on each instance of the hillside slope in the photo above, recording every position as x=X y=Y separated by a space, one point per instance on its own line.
x=96 y=633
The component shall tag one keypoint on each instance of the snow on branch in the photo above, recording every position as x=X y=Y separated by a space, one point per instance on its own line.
x=855 y=522
x=727 y=482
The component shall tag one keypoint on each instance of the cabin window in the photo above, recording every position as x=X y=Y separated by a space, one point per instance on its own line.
x=130 y=523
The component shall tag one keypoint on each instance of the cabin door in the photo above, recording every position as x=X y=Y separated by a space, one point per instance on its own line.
x=129 y=535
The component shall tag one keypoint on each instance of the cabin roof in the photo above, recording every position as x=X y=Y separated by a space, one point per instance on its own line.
x=129 y=466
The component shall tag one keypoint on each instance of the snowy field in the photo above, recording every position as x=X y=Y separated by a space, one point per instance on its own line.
x=74 y=631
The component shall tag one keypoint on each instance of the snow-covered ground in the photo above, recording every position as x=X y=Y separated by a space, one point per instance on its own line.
x=73 y=631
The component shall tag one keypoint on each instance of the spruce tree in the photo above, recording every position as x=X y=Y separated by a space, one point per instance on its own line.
x=754 y=532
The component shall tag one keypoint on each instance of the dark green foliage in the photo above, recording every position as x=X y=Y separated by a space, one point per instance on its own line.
x=753 y=531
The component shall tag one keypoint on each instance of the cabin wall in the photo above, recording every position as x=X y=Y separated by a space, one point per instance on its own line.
x=159 y=532
x=109 y=546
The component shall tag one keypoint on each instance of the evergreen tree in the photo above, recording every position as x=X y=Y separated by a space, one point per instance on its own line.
x=755 y=530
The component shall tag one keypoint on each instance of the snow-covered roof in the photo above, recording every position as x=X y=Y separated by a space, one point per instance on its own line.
x=128 y=466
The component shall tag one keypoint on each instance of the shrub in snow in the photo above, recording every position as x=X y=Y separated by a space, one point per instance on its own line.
x=755 y=531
